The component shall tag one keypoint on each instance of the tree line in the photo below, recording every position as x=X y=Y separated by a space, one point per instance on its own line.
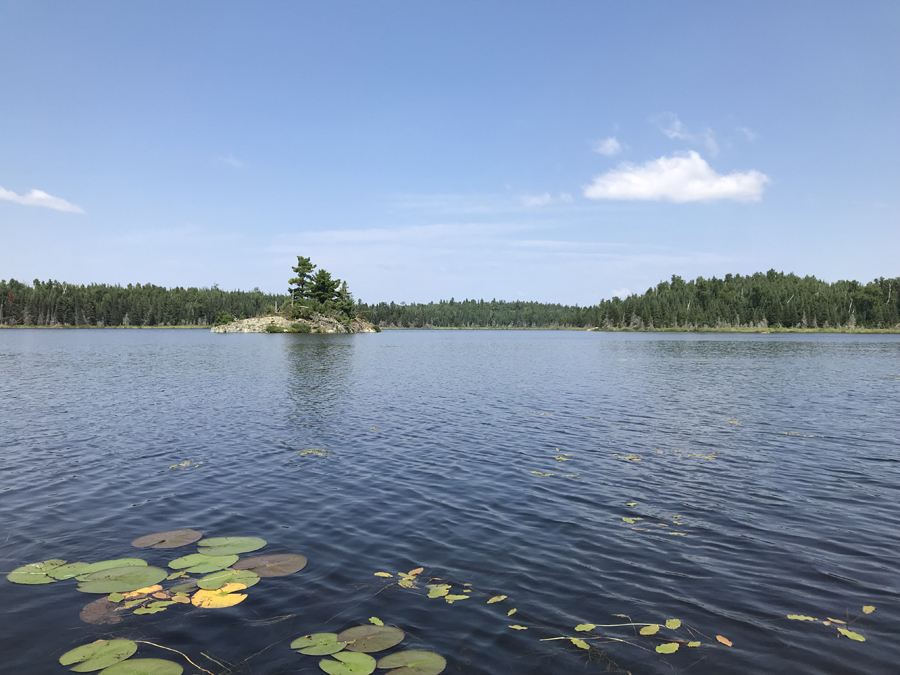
x=763 y=300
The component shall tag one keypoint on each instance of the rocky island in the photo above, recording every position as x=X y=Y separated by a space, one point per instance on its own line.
x=279 y=324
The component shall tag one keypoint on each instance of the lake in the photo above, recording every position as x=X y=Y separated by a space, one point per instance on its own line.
x=760 y=475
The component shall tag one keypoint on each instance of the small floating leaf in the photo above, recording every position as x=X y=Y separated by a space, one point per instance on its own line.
x=650 y=630
x=438 y=590
x=850 y=634
x=115 y=597
x=176 y=575
x=217 y=546
x=383 y=574
x=170 y=539
x=836 y=620
x=149 y=610
x=518 y=627
x=223 y=597
x=108 y=565
x=273 y=565
x=583 y=627
x=198 y=563
x=160 y=603
x=406 y=583
x=580 y=643
x=121 y=579
x=413 y=662
x=98 y=655
x=376 y=621
x=181 y=599
x=868 y=609
x=318 y=644
x=71 y=570
x=724 y=640
x=101 y=611
x=630 y=521
x=141 y=592
x=667 y=648
x=694 y=643
x=348 y=663
x=496 y=598
x=228 y=576
x=673 y=624
x=631 y=504
x=416 y=571
x=371 y=638
x=511 y=612
x=35 y=573
x=453 y=598
x=801 y=617
x=144 y=667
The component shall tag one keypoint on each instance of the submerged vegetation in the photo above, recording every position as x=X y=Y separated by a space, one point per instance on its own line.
x=771 y=301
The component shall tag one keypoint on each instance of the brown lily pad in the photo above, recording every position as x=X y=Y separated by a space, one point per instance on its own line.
x=371 y=638
x=100 y=612
x=273 y=565
x=170 y=539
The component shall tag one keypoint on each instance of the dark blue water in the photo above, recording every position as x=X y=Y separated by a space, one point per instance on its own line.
x=431 y=440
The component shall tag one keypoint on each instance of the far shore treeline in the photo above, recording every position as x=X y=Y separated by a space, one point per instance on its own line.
x=769 y=300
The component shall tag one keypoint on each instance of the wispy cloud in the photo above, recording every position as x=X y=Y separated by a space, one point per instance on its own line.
x=39 y=198
x=673 y=128
x=608 y=146
x=749 y=134
x=681 y=178
x=545 y=199
x=232 y=161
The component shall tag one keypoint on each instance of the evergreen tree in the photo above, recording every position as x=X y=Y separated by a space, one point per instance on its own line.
x=323 y=288
x=300 y=285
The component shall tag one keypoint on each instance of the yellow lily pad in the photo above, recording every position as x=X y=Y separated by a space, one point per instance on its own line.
x=226 y=596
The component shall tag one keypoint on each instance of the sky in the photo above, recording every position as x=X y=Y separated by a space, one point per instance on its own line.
x=558 y=152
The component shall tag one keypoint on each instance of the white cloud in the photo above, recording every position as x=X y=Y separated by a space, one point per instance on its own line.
x=608 y=146
x=545 y=199
x=232 y=161
x=749 y=134
x=682 y=178
x=673 y=128
x=39 y=198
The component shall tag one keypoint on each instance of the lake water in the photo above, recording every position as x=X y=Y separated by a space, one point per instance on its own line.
x=776 y=456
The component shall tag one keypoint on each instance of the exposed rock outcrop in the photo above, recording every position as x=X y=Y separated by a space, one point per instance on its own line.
x=317 y=324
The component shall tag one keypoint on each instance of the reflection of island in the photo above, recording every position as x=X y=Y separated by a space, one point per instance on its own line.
x=278 y=324
x=319 y=384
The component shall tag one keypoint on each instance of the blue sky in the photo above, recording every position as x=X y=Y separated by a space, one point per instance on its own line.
x=560 y=152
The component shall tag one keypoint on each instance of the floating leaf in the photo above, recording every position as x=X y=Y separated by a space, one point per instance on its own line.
x=348 y=664
x=801 y=617
x=222 y=597
x=371 y=638
x=518 y=627
x=376 y=621
x=383 y=574
x=630 y=521
x=228 y=576
x=584 y=627
x=101 y=611
x=453 y=598
x=141 y=592
x=35 y=573
x=438 y=590
x=650 y=630
x=176 y=575
x=107 y=565
x=273 y=565
x=318 y=644
x=673 y=624
x=217 y=546
x=115 y=597
x=162 y=595
x=677 y=534
x=70 y=570
x=413 y=662
x=144 y=667
x=694 y=643
x=581 y=644
x=160 y=604
x=186 y=587
x=724 y=640
x=667 y=648
x=121 y=579
x=149 y=610
x=631 y=504
x=496 y=598
x=98 y=655
x=868 y=609
x=199 y=563
x=511 y=612
x=181 y=599
x=836 y=620
x=850 y=634
x=416 y=571
x=170 y=539
x=406 y=583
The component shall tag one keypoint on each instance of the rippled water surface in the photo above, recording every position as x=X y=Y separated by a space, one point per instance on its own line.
x=777 y=453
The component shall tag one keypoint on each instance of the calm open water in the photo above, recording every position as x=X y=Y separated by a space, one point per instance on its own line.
x=432 y=438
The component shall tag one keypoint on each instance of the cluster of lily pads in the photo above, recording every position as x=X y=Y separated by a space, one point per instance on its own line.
x=632 y=520
x=350 y=651
x=559 y=457
x=113 y=657
x=840 y=624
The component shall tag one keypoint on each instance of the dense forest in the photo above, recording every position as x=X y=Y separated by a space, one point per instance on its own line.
x=769 y=300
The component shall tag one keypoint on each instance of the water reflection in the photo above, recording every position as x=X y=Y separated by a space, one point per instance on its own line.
x=319 y=382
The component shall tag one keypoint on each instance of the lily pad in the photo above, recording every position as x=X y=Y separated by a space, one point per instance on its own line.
x=121 y=579
x=413 y=663
x=98 y=655
x=222 y=597
x=274 y=565
x=84 y=569
x=496 y=598
x=101 y=611
x=850 y=634
x=170 y=539
x=186 y=587
x=348 y=664
x=35 y=573
x=801 y=617
x=578 y=642
x=70 y=570
x=667 y=648
x=229 y=545
x=673 y=624
x=371 y=638
x=199 y=563
x=144 y=667
x=439 y=590
x=318 y=644
x=228 y=576
x=583 y=627
x=650 y=630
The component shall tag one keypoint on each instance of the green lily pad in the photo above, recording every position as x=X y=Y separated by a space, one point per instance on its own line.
x=850 y=634
x=203 y=564
x=414 y=663
x=144 y=667
x=318 y=644
x=229 y=545
x=35 y=573
x=667 y=648
x=228 y=576
x=84 y=569
x=149 y=610
x=70 y=570
x=187 y=587
x=170 y=539
x=274 y=565
x=98 y=655
x=348 y=663
x=371 y=638
x=121 y=579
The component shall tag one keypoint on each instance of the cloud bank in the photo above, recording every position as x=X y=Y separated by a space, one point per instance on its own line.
x=39 y=198
x=682 y=178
